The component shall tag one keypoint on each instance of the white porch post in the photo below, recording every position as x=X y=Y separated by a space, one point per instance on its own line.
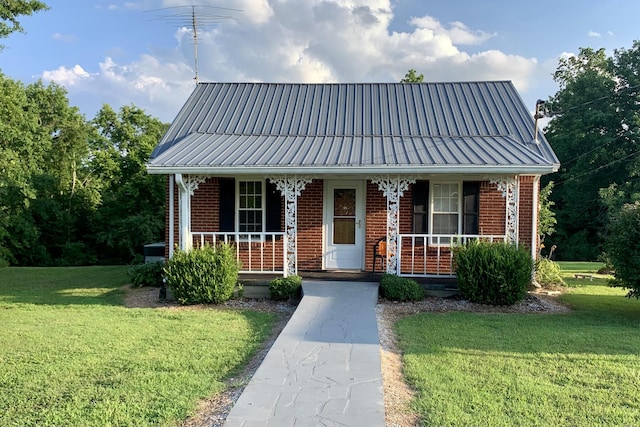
x=510 y=187
x=186 y=187
x=291 y=187
x=393 y=189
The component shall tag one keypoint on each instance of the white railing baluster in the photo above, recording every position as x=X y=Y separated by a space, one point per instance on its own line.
x=442 y=245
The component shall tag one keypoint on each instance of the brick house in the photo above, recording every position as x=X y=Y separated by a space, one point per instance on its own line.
x=325 y=176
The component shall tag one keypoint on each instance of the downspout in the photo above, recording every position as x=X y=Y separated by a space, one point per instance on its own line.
x=185 y=214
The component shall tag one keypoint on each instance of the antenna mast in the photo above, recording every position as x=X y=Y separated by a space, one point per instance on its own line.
x=193 y=16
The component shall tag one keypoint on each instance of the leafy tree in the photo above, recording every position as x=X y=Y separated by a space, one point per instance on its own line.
x=412 y=77
x=594 y=133
x=131 y=212
x=623 y=248
x=546 y=217
x=10 y=10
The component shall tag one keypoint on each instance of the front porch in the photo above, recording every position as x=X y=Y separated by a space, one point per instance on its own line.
x=305 y=224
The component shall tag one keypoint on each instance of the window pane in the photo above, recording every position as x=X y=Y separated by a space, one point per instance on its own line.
x=344 y=202
x=445 y=223
x=344 y=231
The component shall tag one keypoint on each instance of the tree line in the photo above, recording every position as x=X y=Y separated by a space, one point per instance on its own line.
x=594 y=132
x=74 y=191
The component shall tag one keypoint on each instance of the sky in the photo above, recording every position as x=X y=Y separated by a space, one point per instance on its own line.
x=142 y=53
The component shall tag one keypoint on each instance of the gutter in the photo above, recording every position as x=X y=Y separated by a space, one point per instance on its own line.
x=349 y=170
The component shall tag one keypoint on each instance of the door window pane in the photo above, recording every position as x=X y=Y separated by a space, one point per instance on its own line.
x=344 y=216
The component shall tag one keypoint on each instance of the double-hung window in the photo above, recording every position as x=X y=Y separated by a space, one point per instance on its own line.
x=251 y=212
x=445 y=203
x=445 y=208
x=249 y=206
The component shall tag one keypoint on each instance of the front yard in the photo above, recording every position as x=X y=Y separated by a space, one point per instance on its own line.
x=71 y=354
x=576 y=369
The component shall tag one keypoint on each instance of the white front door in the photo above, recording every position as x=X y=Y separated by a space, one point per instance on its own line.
x=344 y=225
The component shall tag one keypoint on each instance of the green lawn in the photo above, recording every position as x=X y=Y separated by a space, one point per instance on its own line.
x=72 y=355
x=576 y=369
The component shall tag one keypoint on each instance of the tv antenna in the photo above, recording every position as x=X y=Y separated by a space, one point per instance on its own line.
x=194 y=17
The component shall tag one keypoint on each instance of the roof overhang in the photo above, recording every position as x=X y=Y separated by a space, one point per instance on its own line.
x=353 y=170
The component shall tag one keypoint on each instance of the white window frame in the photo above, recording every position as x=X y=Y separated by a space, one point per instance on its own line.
x=441 y=242
x=249 y=236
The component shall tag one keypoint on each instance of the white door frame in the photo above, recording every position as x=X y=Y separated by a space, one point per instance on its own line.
x=327 y=247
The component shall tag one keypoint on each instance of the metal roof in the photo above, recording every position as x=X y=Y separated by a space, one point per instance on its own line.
x=423 y=127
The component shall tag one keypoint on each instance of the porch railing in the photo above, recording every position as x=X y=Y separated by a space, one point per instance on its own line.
x=258 y=252
x=426 y=255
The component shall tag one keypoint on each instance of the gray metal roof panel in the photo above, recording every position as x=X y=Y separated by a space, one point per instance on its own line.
x=341 y=124
x=210 y=150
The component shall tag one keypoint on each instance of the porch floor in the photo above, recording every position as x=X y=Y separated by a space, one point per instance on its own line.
x=255 y=285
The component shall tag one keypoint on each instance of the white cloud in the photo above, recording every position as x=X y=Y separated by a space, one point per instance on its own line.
x=301 y=41
x=594 y=34
x=66 y=76
x=64 y=37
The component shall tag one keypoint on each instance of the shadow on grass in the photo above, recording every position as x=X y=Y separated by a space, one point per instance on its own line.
x=98 y=285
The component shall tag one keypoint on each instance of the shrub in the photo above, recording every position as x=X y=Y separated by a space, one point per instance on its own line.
x=149 y=274
x=284 y=288
x=548 y=273
x=493 y=273
x=203 y=275
x=400 y=288
x=623 y=248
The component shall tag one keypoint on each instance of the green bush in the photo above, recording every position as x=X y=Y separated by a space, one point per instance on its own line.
x=203 y=275
x=398 y=288
x=284 y=288
x=548 y=273
x=148 y=274
x=623 y=248
x=493 y=273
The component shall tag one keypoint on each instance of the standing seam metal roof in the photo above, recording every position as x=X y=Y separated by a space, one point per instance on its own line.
x=333 y=125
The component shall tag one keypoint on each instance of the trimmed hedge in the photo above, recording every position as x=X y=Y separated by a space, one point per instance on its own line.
x=284 y=288
x=203 y=275
x=398 y=288
x=493 y=273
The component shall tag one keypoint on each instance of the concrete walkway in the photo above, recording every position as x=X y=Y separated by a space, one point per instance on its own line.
x=324 y=368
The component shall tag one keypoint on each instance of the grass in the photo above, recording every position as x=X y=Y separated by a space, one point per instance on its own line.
x=71 y=354
x=576 y=369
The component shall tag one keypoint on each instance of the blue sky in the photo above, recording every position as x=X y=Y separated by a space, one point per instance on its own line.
x=119 y=52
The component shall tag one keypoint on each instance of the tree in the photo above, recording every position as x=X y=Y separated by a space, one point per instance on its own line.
x=131 y=212
x=546 y=217
x=43 y=141
x=10 y=10
x=623 y=248
x=412 y=77
x=594 y=134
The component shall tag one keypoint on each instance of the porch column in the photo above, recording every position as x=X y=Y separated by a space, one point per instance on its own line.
x=187 y=184
x=291 y=187
x=393 y=188
x=510 y=187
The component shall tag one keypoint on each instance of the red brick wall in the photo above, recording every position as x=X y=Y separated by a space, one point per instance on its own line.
x=310 y=212
x=375 y=223
x=205 y=206
x=493 y=207
x=525 y=215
